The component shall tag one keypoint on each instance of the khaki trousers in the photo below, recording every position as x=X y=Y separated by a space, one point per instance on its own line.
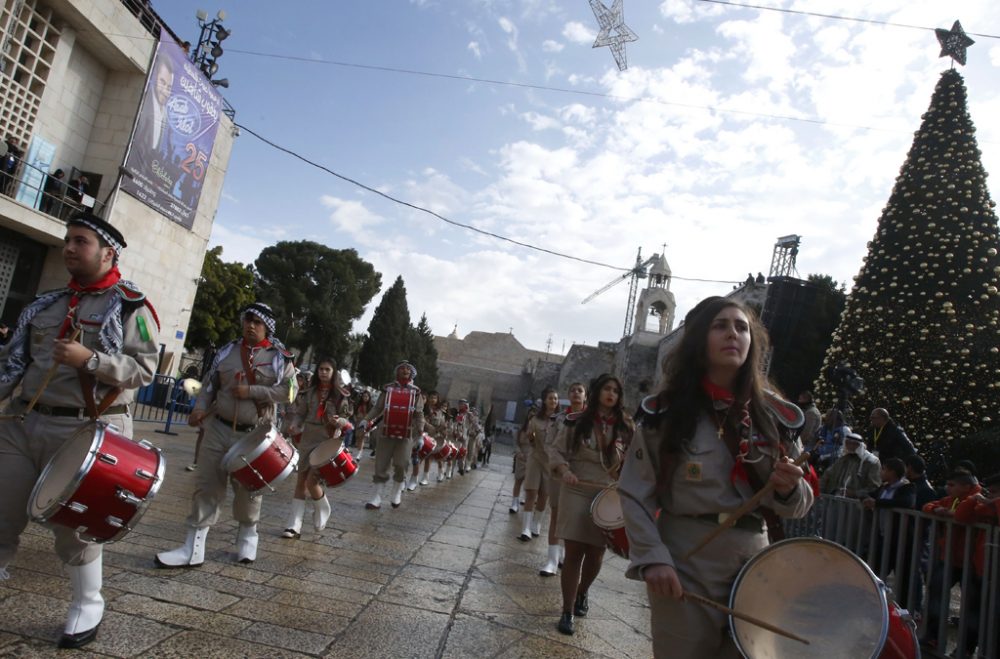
x=393 y=452
x=211 y=479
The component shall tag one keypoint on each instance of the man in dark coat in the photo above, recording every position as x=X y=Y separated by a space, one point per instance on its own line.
x=888 y=440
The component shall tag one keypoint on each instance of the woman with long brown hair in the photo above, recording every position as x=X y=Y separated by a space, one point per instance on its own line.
x=586 y=455
x=707 y=442
x=535 y=491
x=315 y=411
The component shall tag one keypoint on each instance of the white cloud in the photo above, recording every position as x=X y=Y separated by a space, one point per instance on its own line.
x=539 y=121
x=353 y=219
x=474 y=47
x=578 y=33
x=241 y=244
x=512 y=33
x=551 y=46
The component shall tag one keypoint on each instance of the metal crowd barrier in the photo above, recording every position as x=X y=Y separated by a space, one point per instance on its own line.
x=901 y=546
x=164 y=399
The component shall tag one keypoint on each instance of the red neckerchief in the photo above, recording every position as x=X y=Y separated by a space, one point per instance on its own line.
x=104 y=283
x=322 y=393
x=246 y=354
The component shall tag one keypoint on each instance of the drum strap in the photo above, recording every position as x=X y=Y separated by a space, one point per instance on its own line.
x=775 y=530
x=251 y=377
x=88 y=384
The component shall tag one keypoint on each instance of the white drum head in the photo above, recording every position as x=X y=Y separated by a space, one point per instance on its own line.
x=64 y=473
x=607 y=510
x=815 y=589
x=249 y=447
x=324 y=452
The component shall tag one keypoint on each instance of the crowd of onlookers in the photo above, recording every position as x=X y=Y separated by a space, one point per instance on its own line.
x=886 y=473
x=57 y=197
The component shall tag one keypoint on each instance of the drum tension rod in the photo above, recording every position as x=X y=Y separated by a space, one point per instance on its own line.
x=257 y=473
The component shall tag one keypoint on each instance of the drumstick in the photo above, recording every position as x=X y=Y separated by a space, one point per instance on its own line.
x=47 y=379
x=747 y=507
x=743 y=616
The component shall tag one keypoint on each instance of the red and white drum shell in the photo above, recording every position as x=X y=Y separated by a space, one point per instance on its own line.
x=425 y=446
x=792 y=584
x=462 y=452
x=261 y=459
x=332 y=462
x=606 y=511
x=399 y=407
x=446 y=451
x=98 y=484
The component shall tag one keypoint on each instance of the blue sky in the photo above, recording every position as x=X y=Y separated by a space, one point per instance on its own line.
x=589 y=175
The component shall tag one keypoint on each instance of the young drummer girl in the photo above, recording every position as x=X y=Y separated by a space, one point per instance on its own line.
x=316 y=412
x=587 y=455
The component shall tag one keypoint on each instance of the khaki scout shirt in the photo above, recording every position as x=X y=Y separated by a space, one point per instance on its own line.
x=306 y=408
x=269 y=388
x=129 y=369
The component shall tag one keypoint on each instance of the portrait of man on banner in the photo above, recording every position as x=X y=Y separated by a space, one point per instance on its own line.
x=173 y=137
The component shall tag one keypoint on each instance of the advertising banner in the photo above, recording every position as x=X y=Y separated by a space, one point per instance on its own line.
x=174 y=135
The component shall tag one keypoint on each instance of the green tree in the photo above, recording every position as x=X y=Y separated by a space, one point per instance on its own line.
x=921 y=324
x=224 y=290
x=387 y=342
x=316 y=292
x=424 y=354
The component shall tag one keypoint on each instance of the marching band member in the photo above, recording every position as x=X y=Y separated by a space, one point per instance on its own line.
x=315 y=414
x=248 y=377
x=711 y=438
x=522 y=449
x=435 y=425
x=577 y=400
x=361 y=409
x=460 y=431
x=400 y=409
x=587 y=454
x=538 y=465
x=93 y=378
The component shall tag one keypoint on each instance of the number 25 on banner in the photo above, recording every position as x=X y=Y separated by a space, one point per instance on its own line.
x=194 y=163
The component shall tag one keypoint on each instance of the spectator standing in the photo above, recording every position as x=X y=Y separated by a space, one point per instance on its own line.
x=895 y=492
x=979 y=508
x=10 y=160
x=830 y=440
x=812 y=423
x=856 y=473
x=52 y=193
x=888 y=440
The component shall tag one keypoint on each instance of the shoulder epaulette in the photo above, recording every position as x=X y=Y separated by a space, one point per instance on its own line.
x=134 y=298
x=651 y=406
x=787 y=413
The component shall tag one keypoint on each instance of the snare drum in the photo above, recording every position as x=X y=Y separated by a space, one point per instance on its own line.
x=424 y=446
x=462 y=452
x=794 y=583
x=606 y=511
x=445 y=451
x=98 y=484
x=260 y=459
x=332 y=462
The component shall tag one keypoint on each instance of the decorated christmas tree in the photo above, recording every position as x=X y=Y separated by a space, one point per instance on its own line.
x=921 y=325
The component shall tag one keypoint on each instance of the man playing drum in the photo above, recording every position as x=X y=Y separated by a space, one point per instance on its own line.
x=93 y=378
x=247 y=379
x=400 y=408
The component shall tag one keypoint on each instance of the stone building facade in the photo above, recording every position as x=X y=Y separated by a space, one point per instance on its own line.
x=76 y=85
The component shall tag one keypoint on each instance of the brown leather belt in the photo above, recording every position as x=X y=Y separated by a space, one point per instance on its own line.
x=78 y=412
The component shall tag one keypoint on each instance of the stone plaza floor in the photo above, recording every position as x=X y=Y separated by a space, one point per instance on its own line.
x=444 y=575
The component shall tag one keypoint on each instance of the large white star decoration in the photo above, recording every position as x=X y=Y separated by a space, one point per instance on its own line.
x=614 y=33
x=954 y=42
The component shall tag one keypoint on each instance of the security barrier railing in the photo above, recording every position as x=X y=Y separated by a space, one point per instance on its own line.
x=938 y=569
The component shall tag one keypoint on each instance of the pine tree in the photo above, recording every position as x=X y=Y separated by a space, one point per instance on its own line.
x=424 y=354
x=387 y=342
x=921 y=324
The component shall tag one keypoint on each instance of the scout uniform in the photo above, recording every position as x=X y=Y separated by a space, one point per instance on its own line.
x=119 y=325
x=268 y=370
x=535 y=473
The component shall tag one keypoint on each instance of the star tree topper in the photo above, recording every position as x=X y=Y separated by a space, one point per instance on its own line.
x=954 y=42
x=614 y=33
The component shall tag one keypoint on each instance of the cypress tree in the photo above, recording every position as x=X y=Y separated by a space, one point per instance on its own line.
x=424 y=355
x=387 y=342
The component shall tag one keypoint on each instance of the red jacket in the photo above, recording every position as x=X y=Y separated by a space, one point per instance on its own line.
x=972 y=511
x=958 y=534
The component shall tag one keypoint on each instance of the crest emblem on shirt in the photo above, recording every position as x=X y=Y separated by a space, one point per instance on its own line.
x=692 y=471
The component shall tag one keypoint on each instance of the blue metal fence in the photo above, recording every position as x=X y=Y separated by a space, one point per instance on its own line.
x=164 y=399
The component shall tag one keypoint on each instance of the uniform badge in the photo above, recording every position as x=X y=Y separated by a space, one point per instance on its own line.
x=692 y=471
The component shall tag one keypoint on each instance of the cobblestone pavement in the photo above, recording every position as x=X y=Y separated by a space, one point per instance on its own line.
x=442 y=576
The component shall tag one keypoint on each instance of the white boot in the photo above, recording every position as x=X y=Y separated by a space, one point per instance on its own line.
x=411 y=484
x=397 y=494
x=562 y=555
x=376 y=501
x=441 y=468
x=293 y=529
x=515 y=505
x=551 y=567
x=246 y=543
x=536 y=529
x=321 y=512
x=427 y=469
x=526 y=531
x=191 y=554
x=87 y=607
